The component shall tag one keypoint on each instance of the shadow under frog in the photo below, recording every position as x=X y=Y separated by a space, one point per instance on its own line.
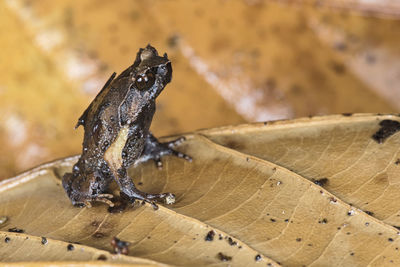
x=117 y=134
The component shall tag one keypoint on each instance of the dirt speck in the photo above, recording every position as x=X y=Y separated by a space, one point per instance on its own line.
x=351 y=213
x=7 y=239
x=388 y=128
x=321 y=182
x=223 y=257
x=258 y=257
x=369 y=212
x=70 y=247
x=44 y=240
x=231 y=242
x=323 y=221
x=102 y=258
x=120 y=247
x=16 y=230
x=210 y=236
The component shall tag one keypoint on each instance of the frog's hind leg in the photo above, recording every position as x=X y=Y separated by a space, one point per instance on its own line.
x=129 y=189
x=155 y=150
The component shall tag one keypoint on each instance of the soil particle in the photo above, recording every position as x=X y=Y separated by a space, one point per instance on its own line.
x=388 y=128
x=231 y=242
x=224 y=257
x=321 y=182
x=102 y=258
x=120 y=247
x=323 y=221
x=16 y=230
x=210 y=236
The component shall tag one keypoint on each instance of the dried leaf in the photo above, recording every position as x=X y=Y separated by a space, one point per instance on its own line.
x=262 y=200
x=360 y=170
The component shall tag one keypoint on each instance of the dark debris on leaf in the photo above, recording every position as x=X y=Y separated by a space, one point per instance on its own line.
x=388 y=128
x=210 y=236
x=231 y=242
x=16 y=230
x=120 y=247
x=321 y=182
x=224 y=257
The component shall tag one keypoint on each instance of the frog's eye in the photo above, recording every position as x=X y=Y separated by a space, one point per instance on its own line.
x=144 y=81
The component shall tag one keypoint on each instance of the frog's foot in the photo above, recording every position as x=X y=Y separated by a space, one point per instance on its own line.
x=105 y=198
x=155 y=150
x=167 y=198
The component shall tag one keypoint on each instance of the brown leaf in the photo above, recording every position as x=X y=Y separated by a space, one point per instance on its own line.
x=230 y=205
x=359 y=170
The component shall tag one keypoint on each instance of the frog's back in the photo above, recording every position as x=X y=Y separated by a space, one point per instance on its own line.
x=101 y=119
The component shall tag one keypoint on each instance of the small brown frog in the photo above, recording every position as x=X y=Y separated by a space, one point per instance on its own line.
x=117 y=134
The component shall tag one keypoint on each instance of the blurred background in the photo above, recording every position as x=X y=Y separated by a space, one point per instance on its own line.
x=233 y=62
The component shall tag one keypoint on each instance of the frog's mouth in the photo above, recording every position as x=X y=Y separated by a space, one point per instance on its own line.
x=163 y=77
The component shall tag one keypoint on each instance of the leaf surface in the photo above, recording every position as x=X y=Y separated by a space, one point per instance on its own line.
x=251 y=186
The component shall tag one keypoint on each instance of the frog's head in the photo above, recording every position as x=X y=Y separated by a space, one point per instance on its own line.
x=151 y=73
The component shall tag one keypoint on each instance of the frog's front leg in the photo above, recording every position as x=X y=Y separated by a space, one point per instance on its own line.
x=155 y=150
x=129 y=189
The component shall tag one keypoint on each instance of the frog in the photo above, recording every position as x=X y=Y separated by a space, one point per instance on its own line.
x=117 y=134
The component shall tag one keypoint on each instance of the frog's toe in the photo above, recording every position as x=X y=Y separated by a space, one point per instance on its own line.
x=167 y=198
x=168 y=151
x=181 y=155
x=152 y=199
x=105 y=198
x=158 y=162
x=176 y=142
